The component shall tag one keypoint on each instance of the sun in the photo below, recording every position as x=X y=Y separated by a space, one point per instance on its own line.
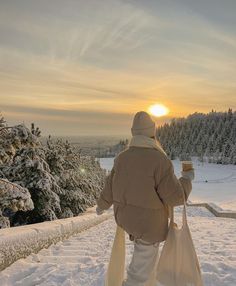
x=158 y=110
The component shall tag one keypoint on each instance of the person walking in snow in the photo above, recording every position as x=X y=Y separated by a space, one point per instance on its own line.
x=140 y=186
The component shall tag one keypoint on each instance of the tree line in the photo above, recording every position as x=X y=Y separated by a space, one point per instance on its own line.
x=210 y=137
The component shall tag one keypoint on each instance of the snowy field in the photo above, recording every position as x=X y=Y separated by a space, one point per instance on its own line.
x=82 y=259
x=213 y=183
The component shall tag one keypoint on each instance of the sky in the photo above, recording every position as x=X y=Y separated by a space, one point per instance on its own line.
x=81 y=67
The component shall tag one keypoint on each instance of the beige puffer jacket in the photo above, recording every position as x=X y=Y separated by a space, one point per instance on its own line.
x=140 y=186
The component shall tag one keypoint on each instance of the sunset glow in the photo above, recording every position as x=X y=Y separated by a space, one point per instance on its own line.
x=158 y=110
x=86 y=67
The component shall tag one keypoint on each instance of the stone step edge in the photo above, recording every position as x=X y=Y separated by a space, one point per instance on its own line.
x=20 y=242
x=214 y=209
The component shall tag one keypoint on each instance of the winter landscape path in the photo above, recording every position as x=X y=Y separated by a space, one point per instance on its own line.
x=81 y=260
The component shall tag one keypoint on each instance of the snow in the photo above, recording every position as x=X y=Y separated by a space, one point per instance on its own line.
x=18 y=242
x=219 y=189
x=82 y=259
x=106 y=163
x=83 y=244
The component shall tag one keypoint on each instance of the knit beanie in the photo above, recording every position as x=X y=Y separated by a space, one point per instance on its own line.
x=143 y=125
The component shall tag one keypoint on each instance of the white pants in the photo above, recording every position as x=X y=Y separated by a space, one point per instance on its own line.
x=142 y=264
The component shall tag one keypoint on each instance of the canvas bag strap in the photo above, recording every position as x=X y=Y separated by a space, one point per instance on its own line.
x=184 y=214
x=184 y=217
x=172 y=220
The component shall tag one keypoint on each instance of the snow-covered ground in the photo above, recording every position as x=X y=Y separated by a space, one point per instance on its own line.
x=82 y=259
x=213 y=183
x=19 y=242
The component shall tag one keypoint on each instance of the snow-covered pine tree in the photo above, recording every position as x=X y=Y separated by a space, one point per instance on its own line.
x=26 y=166
x=233 y=155
x=61 y=182
x=30 y=169
x=80 y=177
x=226 y=152
x=112 y=151
x=211 y=135
x=13 y=197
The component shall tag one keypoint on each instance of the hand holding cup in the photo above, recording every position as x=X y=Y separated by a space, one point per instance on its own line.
x=187 y=170
x=187 y=166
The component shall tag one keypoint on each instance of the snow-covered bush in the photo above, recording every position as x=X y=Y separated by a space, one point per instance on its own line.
x=61 y=182
x=30 y=169
x=13 y=198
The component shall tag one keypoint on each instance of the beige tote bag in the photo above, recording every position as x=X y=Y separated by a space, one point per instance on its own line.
x=178 y=264
x=116 y=266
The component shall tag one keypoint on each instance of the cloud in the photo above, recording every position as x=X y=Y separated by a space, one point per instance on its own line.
x=69 y=122
x=63 y=113
x=72 y=122
x=82 y=30
x=104 y=57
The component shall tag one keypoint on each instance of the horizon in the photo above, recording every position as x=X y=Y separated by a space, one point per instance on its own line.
x=116 y=136
x=81 y=68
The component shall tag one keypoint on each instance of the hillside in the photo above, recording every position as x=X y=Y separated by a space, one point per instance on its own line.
x=209 y=136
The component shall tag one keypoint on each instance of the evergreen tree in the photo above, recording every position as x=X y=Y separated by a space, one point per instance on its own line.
x=114 y=150
x=80 y=177
x=56 y=177
x=13 y=197
x=211 y=135
x=233 y=155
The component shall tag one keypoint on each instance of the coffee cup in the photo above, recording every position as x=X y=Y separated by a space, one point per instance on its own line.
x=187 y=166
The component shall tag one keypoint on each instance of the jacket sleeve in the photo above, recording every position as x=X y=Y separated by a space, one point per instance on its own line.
x=171 y=189
x=105 y=200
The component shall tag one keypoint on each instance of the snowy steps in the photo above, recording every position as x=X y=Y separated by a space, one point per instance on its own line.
x=81 y=260
x=17 y=243
x=214 y=209
x=61 y=259
x=82 y=253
